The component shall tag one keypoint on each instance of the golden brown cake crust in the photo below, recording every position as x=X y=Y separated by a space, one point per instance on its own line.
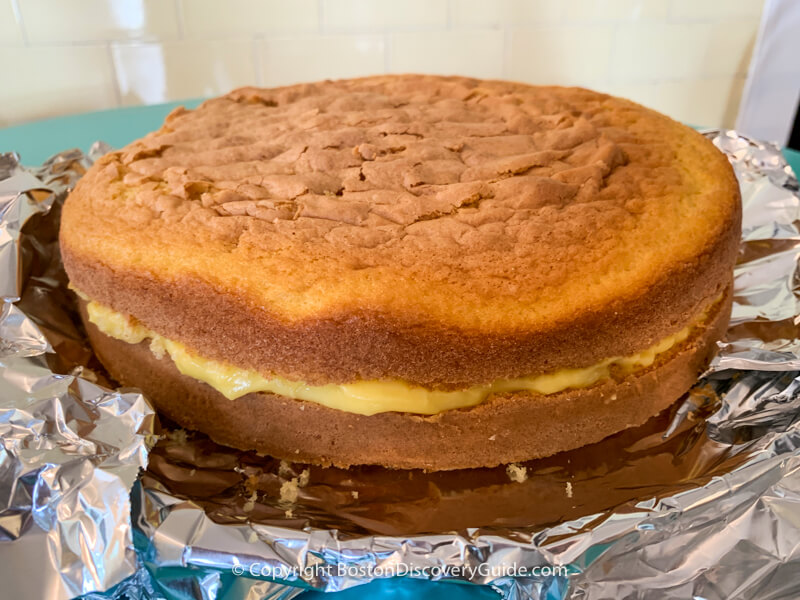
x=508 y=428
x=445 y=231
x=371 y=346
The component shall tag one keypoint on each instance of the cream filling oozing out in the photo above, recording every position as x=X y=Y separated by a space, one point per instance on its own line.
x=365 y=397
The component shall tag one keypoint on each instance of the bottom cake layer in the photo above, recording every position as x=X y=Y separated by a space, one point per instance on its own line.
x=506 y=428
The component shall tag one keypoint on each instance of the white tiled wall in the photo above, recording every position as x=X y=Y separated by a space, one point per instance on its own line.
x=687 y=58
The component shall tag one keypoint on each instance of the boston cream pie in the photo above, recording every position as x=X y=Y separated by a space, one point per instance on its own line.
x=412 y=271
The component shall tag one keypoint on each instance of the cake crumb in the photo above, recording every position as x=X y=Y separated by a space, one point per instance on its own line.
x=192 y=472
x=354 y=494
x=250 y=503
x=289 y=491
x=297 y=451
x=569 y=490
x=517 y=473
x=302 y=480
x=157 y=348
x=302 y=407
x=289 y=514
x=178 y=436
x=252 y=537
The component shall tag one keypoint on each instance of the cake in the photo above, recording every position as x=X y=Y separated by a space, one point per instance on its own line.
x=408 y=271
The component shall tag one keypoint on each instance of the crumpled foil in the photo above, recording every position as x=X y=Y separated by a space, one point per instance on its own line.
x=71 y=449
x=701 y=501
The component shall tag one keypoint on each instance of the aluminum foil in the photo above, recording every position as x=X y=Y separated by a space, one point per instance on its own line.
x=701 y=501
x=71 y=449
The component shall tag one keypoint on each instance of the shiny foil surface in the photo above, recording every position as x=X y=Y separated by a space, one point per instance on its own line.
x=701 y=501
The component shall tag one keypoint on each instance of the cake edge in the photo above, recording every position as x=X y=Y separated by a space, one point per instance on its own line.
x=367 y=345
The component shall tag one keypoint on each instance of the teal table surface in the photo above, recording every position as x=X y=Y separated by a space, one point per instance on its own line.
x=35 y=142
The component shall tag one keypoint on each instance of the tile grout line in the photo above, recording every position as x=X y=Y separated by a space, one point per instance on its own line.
x=114 y=74
x=506 y=66
x=387 y=47
x=258 y=64
x=179 y=17
x=450 y=10
x=612 y=53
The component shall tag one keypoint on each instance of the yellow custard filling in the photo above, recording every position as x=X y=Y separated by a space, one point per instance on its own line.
x=363 y=397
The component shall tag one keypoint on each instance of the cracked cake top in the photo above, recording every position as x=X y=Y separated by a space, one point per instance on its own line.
x=485 y=205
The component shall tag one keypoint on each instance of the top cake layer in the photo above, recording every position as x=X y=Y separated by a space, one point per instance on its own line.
x=441 y=230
